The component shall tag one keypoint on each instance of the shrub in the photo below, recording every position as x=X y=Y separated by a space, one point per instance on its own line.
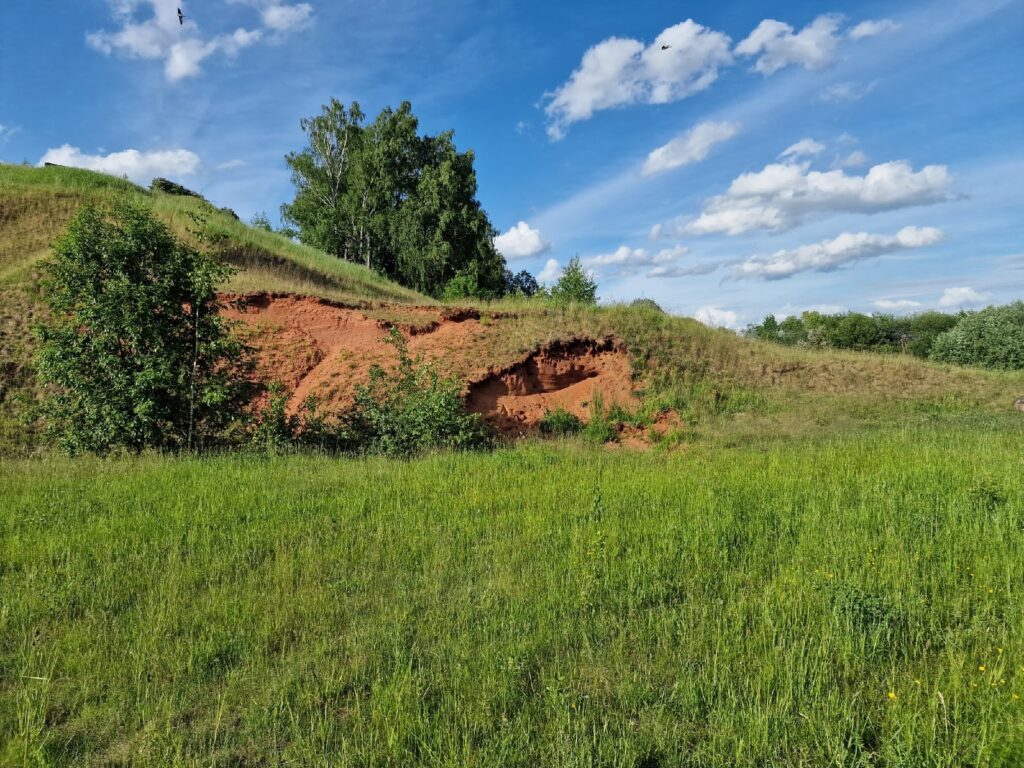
x=169 y=187
x=991 y=338
x=560 y=422
x=462 y=286
x=134 y=352
x=410 y=410
x=575 y=286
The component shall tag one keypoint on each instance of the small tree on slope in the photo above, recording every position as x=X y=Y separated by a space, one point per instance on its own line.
x=575 y=286
x=135 y=353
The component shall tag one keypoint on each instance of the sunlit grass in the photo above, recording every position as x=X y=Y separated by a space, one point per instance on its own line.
x=846 y=602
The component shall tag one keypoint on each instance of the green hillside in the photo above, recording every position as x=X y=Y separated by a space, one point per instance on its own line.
x=724 y=386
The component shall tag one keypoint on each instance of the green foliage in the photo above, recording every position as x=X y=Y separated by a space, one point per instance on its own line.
x=169 y=187
x=913 y=334
x=991 y=338
x=410 y=410
x=400 y=203
x=261 y=221
x=462 y=286
x=521 y=283
x=559 y=423
x=135 y=353
x=574 y=285
x=602 y=426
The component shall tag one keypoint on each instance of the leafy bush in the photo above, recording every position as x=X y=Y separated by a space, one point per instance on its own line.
x=462 y=286
x=575 y=286
x=172 y=188
x=560 y=422
x=913 y=334
x=135 y=352
x=991 y=338
x=410 y=410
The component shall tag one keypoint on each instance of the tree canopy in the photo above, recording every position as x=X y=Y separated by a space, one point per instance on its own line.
x=574 y=285
x=402 y=204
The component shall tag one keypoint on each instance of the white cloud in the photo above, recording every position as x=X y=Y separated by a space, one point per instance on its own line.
x=803 y=148
x=655 y=232
x=846 y=249
x=6 y=131
x=676 y=270
x=781 y=195
x=231 y=165
x=855 y=159
x=630 y=261
x=181 y=46
x=961 y=297
x=621 y=71
x=897 y=305
x=692 y=147
x=551 y=272
x=521 y=242
x=873 y=27
x=838 y=93
x=138 y=166
x=777 y=45
x=716 y=317
x=283 y=18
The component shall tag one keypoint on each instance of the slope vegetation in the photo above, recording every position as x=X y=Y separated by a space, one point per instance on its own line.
x=317 y=324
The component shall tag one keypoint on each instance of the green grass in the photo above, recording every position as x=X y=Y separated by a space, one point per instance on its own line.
x=540 y=606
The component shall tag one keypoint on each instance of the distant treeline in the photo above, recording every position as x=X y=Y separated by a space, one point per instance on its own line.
x=992 y=338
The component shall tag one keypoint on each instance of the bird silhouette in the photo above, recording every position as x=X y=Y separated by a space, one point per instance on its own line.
x=181 y=17
x=665 y=47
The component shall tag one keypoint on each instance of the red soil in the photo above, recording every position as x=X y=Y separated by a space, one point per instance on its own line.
x=320 y=348
x=569 y=375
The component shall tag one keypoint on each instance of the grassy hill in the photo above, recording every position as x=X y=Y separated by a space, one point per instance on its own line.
x=823 y=569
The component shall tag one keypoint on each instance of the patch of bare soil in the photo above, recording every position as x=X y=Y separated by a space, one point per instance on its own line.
x=319 y=348
x=567 y=375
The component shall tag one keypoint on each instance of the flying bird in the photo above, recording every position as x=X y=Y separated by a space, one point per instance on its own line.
x=665 y=47
x=181 y=17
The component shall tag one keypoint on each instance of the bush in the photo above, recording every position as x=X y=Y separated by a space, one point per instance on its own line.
x=559 y=423
x=169 y=187
x=991 y=338
x=575 y=286
x=135 y=352
x=410 y=410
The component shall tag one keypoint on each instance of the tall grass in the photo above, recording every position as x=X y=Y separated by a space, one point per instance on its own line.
x=843 y=602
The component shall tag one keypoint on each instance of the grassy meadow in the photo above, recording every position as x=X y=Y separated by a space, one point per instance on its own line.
x=846 y=601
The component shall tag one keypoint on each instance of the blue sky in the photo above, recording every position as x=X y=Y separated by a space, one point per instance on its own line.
x=775 y=157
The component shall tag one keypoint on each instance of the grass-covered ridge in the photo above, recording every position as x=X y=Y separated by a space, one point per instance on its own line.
x=37 y=203
x=851 y=602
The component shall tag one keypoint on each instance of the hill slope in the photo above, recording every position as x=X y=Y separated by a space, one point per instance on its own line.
x=317 y=324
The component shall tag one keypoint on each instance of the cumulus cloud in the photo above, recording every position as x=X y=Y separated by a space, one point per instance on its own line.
x=630 y=261
x=551 y=272
x=182 y=48
x=962 y=296
x=776 y=44
x=803 y=148
x=692 y=147
x=783 y=194
x=897 y=305
x=520 y=242
x=847 y=248
x=716 y=317
x=621 y=71
x=873 y=27
x=138 y=166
